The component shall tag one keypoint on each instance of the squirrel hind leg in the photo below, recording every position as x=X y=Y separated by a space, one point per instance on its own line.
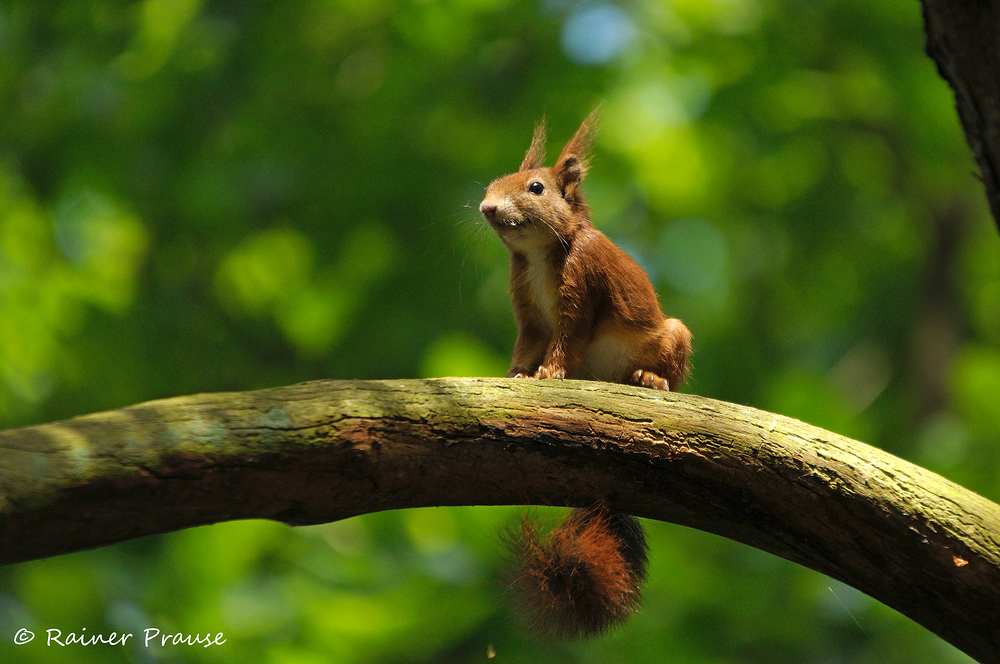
x=675 y=352
x=666 y=358
x=585 y=577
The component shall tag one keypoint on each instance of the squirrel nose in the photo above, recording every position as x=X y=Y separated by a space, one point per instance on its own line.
x=487 y=209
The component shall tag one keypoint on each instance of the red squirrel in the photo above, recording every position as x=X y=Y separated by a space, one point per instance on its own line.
x=584 y=309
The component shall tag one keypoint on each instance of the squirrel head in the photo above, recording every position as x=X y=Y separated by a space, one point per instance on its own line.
x=537 y=207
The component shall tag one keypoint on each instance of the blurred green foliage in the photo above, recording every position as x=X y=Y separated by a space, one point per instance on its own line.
x=200 y=196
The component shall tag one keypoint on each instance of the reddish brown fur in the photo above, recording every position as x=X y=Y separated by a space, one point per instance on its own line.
x=583 y=307
x=583 y=578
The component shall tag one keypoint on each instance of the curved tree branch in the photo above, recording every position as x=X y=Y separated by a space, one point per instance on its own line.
x=328 y=450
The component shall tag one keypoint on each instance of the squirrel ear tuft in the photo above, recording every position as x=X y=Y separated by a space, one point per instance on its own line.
x=535 y=158
x=571 y=167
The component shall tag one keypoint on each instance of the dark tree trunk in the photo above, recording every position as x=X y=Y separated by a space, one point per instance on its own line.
x=963 y=38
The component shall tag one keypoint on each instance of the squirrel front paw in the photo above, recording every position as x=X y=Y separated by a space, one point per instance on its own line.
x=550 y=372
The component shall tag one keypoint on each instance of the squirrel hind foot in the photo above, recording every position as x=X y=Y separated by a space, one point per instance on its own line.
x=649 y=379
x=585 y=577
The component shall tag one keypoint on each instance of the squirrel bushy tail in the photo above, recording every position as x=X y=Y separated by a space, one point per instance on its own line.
x=584 y=577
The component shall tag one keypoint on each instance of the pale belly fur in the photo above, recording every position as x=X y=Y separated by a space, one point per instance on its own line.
x=608 y=358
x=543 y=290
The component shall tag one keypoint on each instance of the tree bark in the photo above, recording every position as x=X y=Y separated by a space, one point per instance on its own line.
x=328 y=450
x=963 y=39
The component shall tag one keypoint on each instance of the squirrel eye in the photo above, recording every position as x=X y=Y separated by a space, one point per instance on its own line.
x=536 y=188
